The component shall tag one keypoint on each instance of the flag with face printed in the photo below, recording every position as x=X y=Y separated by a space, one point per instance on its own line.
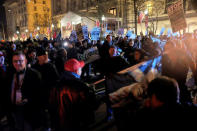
x=146 y=70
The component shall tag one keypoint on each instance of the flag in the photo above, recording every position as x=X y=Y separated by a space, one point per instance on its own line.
x=140 y=17
x=48 y=30
x=149 y=70
x=31 y=36
x=146 y=21
x=97 y=23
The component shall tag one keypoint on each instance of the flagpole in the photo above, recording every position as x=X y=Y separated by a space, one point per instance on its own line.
x=141 y=26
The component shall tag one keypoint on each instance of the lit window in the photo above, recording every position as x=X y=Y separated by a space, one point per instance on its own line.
x=113 y=11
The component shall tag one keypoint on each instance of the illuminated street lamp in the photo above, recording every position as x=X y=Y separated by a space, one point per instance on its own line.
x=52 y=26
x=38 y=28
x=103 y=18
x=17 y=32
x=146 y=12
x=26 y=30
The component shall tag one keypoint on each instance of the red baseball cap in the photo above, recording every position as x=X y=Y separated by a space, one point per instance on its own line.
x=73 y=65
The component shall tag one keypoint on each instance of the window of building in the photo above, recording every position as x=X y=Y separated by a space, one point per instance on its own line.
x=45 y=15
x=44 y=2
x=34 y=1
x=113 y=11
x=35 y=8
x=36 y=15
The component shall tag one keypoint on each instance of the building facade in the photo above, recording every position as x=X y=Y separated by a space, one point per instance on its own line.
x=32 y=17
x=92 y=9
x=27 y=18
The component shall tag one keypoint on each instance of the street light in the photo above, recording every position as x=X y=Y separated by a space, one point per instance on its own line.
x=103 y=18
x=17 y=32
x=26 y=30
x=146 y=12
x=52 y=26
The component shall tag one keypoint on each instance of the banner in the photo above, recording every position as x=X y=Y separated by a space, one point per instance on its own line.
x=79 y=32
x=65 y=32
x=149 y=69
x=120 y=31
x=131 y=35
x=89 y=55
x=95 y=33
x=169 y=33
x=162 y=31
x=177 y=16
x=85 y=31
x=31 y=36
x=73 y=36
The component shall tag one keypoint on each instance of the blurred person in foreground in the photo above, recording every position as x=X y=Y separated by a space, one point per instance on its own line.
x=73 y=101
x=163 y=108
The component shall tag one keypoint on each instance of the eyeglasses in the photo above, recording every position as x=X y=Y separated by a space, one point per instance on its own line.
x=18 y=61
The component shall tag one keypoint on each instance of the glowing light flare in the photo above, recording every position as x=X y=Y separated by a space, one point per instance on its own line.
x=65 y=44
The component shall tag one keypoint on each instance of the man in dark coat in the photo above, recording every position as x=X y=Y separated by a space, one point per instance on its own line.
x=104 y=50
x=22 y=95
x=48 y=72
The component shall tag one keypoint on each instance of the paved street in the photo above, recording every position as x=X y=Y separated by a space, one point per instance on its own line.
x=101 y=124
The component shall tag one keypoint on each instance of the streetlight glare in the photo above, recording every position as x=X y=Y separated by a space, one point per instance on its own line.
x=17 y=32
x=26 y=30
x=65 y=44
x=146 y=12
x=103 y=18
x=38 y=28
x=52 y=25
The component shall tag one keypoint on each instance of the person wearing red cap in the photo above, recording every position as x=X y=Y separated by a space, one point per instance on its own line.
x=77 y=101
x=74 y=66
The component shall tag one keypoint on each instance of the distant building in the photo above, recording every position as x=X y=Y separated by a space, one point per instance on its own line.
x=93 y=10
x=25 y=17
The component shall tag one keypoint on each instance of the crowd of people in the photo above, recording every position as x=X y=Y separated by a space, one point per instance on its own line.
x=46 y=85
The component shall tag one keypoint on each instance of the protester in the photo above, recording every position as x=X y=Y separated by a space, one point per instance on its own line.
x=22 y=95
x=77 y=101
x=163 y=107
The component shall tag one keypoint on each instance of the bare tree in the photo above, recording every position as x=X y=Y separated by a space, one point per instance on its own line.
x=158 y=9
